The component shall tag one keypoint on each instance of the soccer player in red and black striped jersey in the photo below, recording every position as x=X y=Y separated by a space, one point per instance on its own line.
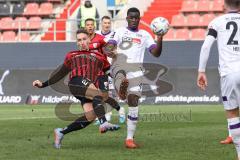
x=84 y=67
x=97 y=41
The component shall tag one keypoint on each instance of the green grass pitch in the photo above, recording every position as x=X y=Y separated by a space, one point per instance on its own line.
x=169 y=132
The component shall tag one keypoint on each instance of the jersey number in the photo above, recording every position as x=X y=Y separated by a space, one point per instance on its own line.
x=85 y=82
x=231 y=40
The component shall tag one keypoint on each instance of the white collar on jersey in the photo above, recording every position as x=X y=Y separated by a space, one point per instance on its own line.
x=136 y=30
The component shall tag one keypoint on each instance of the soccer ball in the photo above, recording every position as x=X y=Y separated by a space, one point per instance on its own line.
x=159 y=26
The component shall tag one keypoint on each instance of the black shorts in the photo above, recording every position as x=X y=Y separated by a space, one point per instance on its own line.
x=78 y=87
x=102 y=83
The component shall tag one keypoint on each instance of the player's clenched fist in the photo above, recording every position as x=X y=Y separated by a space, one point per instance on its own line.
x=202 y=80
x=37 y=83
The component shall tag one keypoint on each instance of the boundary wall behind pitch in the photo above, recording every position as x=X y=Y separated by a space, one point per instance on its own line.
x=21 y=63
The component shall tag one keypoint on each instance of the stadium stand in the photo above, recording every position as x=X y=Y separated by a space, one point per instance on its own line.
x=203 y=6
x=178 y=20
x=4 y=9
x=55 y=1
x=32 y=15
x=26 y=15
x=198 y=34
x=182 y=34
x=161 y=8
x=188 y=18
x=46 y=8
x=18 y=8
x=31 y=9
x=200 y=15
x=188 y=6
x=21 y=22
x=34 y=23
x=217 y=6
x=23 y=36
x=7 y=23
x=8 y=36
x=60 y=24
x=170 y=35
x=207 y=18
x=193 y=20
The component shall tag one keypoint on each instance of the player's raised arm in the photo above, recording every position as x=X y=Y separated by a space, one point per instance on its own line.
x=159 y=27
x=157 y=51
x=57 y=75
x=110 y=49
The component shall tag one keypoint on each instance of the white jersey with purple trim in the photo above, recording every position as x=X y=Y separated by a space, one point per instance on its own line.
x=133 y=43
x=227 y=27
x=108 y=35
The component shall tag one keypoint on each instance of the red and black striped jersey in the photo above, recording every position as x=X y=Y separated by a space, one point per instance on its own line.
x=88 y=64
x=97 y=42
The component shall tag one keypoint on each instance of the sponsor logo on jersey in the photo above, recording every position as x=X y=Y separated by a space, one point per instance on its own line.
x=95 y=45
x=139 y=35
x=136 y=40
x=130 y=39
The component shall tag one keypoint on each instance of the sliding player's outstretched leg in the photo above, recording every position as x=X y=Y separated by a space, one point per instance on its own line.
x=78 y=124
x=58 y=137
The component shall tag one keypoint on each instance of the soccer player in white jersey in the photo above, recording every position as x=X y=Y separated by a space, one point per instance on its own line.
x=106 y=26
x=226 y=29
x=106 y=31
x=131 y=43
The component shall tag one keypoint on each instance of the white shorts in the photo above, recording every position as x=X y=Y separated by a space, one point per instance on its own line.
x=135 y=82
x=110 y=81
x=230 y=88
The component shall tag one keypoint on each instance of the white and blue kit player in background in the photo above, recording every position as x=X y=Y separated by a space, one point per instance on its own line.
x=226 y=29
x=106 y=31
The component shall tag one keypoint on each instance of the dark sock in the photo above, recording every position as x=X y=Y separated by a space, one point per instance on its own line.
x=78 y=124
x=113 y=103
x=99 y=109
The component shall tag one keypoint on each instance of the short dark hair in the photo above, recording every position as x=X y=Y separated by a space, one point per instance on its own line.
x=89 y=19
x=233 y=3
x=82 y=30
x=133 y=9
x=105 y=17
